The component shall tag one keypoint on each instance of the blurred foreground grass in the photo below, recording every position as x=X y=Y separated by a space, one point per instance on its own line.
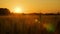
x=26 y=24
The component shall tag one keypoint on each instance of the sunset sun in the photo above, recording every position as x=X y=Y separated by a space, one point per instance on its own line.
x=17 y=10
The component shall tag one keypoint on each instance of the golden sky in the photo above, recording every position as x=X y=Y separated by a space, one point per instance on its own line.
x=32 y=5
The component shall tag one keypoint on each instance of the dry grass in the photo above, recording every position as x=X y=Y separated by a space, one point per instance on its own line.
x=24 y=24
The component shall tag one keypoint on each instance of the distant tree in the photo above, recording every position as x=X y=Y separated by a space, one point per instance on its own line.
x=4 y=11
x=58 y=13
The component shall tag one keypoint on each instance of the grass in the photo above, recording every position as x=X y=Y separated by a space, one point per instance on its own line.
x=26 y=24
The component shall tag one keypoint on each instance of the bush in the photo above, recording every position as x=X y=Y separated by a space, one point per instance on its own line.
x=4 y=11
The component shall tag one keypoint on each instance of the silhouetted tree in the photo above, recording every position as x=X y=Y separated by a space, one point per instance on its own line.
x=4 y=11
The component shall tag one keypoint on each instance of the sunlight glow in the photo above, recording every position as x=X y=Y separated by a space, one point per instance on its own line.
x=17 y=10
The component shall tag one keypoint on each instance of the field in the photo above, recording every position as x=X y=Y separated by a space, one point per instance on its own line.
x=27 y=24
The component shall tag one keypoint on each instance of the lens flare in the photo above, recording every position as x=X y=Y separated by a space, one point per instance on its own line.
x=49 y=27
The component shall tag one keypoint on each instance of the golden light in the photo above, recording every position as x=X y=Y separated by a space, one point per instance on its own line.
x=17 y=10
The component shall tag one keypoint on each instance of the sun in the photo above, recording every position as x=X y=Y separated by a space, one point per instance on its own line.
x=17 y=10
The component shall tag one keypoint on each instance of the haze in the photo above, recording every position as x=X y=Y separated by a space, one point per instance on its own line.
x=31 y=6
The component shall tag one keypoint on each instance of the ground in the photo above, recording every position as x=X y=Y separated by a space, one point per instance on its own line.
x=27 y=24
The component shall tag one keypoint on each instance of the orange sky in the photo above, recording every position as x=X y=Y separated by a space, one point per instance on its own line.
x=32 y=5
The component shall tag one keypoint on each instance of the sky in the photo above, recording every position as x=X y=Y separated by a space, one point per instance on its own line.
x=44 y=6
